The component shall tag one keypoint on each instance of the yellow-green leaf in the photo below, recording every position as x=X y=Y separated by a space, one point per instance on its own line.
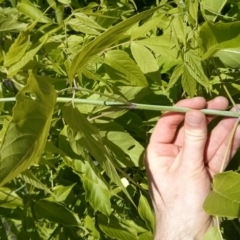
x=103 y=41
x=224 y=199
x=144 y=58
x=17 y=49
x=125 y=68
x=27 y=132
x=29 y=55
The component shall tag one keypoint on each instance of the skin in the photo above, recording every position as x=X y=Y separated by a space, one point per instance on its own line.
x=181 y=160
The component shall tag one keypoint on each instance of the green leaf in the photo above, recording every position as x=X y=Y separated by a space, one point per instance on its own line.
x=87 y=21
x=31 y=179
x=213 y=39
x=77 y=26
x=103 y=41
x=230 y=57
x=224 y=199
x=30 y=10
x=11 y=25
x=27 y=132
x=90 y=226
x=97 y=192
x=211 y=8
x=61 y=192
x=17 y=49
x=116 y=229
x=144 y=58
x=146 y=236
x=116 y=138
x=29 y=55
x=56 y=212
x=213 y=233
x=67 y=2
x=146 y=213
x=161 y=45
x=193 y=63
x=193 y=11
x=188 y=82
x=86 y=135
x=178 y=70
x=140 y=31
x=9 y=199
x=125 y=68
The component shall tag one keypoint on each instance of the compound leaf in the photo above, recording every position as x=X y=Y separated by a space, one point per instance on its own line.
x=86 y=135
x=103 y=41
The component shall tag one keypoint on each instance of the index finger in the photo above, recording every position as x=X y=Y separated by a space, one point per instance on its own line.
x=166 y=127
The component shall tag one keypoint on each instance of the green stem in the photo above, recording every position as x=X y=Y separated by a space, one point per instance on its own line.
x=138 y=106
x=93 y=92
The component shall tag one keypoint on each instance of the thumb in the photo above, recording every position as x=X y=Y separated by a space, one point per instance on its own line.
x=195 y=136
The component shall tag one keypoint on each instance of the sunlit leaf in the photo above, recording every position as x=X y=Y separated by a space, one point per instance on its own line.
x=11 y=25
x=87 y=21
x=178 y=70
x=90 y=226
x=213 y=233
x=144 y=58
x=77 y=26
x=103 y=41
x=116 y=229
x=32 y=11
x=213 y=39
x=188 y=82
x=162 y=45
x=211 y=9
x=152 y=23
x=97 y=192
x=193 y=63
x=230 y=57
x=29 y=55
x=117 y=139
x=17 y=49
x=31 y=179
x=86 y=135
x=146 y=236
x=224 y=199
x=61 y=192
x=9 y=199
x=125 y=68
x=146 y=213
x=27 y=133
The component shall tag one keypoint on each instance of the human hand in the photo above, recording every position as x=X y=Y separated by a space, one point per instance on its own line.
x=181 y=160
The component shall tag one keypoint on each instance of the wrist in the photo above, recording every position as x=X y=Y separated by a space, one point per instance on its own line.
x=177 y=227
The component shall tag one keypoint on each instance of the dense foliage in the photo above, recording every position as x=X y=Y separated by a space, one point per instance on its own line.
x=72 y=144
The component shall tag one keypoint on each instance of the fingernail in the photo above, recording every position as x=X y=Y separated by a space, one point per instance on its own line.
x=194 y=119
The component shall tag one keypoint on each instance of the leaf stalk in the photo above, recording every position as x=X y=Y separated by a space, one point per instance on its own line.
x=139 y=106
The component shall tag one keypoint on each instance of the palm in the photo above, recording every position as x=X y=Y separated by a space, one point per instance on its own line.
x=181 y=160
